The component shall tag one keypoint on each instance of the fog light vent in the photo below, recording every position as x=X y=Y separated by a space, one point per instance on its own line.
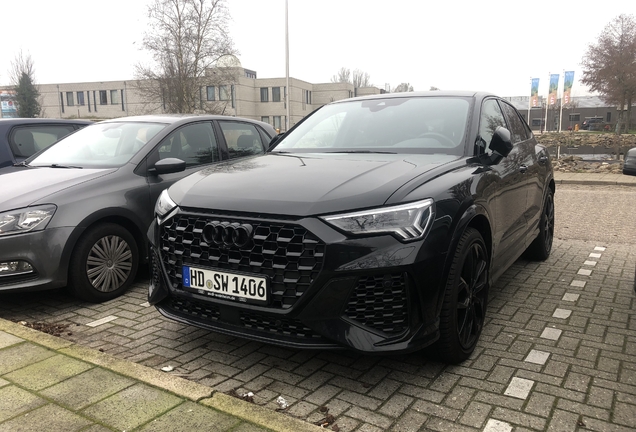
x=14 y=268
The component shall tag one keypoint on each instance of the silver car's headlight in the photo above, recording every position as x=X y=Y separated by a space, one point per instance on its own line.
x=164 y=204
x=26 y=219
x=407 y=221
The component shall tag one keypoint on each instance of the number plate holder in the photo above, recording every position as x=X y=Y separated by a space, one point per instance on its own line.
x=236 y=287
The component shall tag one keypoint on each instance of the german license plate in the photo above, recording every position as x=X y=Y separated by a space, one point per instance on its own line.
x=228 y=286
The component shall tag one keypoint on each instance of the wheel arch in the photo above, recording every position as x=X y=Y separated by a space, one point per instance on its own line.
x=119 y=218
x=476 y=217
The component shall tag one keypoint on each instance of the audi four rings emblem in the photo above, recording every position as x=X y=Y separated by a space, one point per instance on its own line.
x=227 y=234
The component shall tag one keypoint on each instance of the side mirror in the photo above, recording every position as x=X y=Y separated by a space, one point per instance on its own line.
x=168 y=166
x=501 y=142
x=629 y=167
x=274 y=140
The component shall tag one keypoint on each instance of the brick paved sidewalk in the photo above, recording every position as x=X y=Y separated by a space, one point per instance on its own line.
x=558 y=353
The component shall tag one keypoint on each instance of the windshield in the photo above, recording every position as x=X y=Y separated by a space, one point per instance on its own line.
x=389 y=125
x=102 y=145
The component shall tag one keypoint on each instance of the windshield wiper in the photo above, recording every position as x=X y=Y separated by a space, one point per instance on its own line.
x=62 y=166
x=22 y=164
x=359 y=151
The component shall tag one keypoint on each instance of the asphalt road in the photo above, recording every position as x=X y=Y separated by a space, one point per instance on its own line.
x=601 y=213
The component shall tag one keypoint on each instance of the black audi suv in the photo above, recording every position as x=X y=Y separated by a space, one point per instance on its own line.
x=376 y=223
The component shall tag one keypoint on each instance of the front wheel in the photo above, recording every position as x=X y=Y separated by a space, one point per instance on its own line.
x=465 y=299
x=104 y=263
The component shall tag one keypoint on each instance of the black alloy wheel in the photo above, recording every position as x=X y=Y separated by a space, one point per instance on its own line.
x=541 y=247
x=465 y=299
x=104 y=263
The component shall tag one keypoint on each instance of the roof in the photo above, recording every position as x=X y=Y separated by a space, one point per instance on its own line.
x=435 y=93
x=183 y=118
x=41 y=120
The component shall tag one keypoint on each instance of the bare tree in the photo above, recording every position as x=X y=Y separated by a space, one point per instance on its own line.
x=26 y=94
x=358 y=78
x=403 y=87
x=343 y=75
x=433 y=88
x=609 y=66
x=361 y=79
x=186 y=38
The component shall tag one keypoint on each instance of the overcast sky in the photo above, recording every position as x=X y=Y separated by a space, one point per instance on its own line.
x=454 y=45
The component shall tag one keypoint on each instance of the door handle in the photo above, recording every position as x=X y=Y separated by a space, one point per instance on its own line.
x=523 y=169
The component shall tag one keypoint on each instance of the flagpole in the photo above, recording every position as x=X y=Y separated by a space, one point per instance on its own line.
x=545 y=128
x=561 y=109
x=530 y=102
x=288 y=121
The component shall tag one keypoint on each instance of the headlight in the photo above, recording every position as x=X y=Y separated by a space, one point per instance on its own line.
x=407 y=221
x=26 y=219
x=164 y=204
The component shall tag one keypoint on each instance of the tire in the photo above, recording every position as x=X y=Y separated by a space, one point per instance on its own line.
x=465 y=300
x=104 y=263
x=540 y=248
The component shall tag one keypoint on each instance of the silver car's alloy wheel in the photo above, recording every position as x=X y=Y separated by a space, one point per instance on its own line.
x=109 y=263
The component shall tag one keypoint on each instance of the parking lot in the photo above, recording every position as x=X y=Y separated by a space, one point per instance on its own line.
x=557 y=353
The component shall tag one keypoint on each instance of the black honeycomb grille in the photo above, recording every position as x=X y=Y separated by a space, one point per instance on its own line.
x=289 y=255
x=380 y=302
x=194 y=309
x=156 y=270
x=280 y=326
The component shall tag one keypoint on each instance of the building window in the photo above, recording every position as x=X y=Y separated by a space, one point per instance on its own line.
x=574 y=117
x=537 y=122
x=264 y=94
x=102 y=97
x=223 y=93
x=232 y=95
x=275 y=94
x=608 y=118
x=265 y=119
x=80 y=98
x=62 y=101
x=114 y=97
x=210 y=93
x=69 y=99
x=277 y=122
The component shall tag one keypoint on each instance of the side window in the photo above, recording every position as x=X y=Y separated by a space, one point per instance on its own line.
x=25 y=141
x=517 y=128
x=491 y=118
x=242 y=139
x=195 y=144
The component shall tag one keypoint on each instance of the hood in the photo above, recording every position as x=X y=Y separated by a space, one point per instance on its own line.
x=302 y=184
x=30 y=186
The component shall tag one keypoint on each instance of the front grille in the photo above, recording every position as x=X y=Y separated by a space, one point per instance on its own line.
x=192 y=308
x=380 y=302
x=155 y=267
x=281 y=326
x=289 y=255
x=201 y=311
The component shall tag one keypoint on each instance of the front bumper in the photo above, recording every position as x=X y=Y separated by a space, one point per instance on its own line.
x=44 y=251
x=371 y=294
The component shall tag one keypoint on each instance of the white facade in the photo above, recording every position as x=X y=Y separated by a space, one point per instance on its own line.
x=245 y=96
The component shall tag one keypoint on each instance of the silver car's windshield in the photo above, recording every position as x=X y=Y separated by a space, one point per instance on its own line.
x=385 y=125
x=103 y=145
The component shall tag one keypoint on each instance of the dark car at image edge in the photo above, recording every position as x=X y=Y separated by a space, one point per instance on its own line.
x=21 y=138
x=376 y=224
